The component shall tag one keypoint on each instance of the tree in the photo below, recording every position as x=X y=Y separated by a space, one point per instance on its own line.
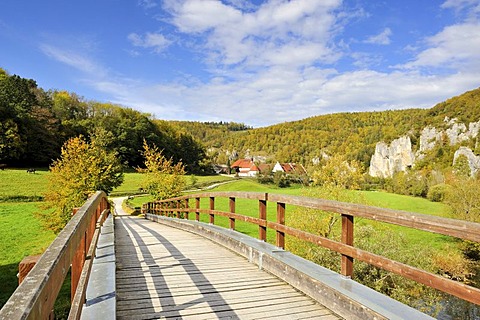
x=461 y=166
x=462 y=197
x=163 y=179
x=338 y=172
x=17 y=98
x=82 y=169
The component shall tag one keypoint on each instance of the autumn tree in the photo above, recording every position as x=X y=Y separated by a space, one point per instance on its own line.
x=163 y=178
x=83 y=168
x=462 y=197
x=336 y=171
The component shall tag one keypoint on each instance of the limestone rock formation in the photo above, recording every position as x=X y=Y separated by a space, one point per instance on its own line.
x=428 y=138
x=458 y=132
x=455 y=133
x=388 y=160
x=473 y=160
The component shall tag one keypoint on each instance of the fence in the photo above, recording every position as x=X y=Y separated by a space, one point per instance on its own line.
x=456 y=228
x=74 y=247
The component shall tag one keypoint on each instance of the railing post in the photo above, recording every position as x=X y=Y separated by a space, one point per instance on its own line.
x=186 y=207
x=212 y=207
x=178 y=209
x=197 y=209
x=26 y=265
x=262 y=212
x=347 y=238
x=280 y=241
x=232 y=210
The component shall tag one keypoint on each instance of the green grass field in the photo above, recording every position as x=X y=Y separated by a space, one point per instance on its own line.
x=21 y=235
x=18 y=185
x=133 y=181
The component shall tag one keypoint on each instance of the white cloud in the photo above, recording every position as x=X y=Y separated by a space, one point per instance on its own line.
x=284 y=94
x=147 y=4
x=472 y=6
x=252 y=37
x=73 y=59
x=199 y=16
x=156 y=41
x=455 y=47
x=383 y=38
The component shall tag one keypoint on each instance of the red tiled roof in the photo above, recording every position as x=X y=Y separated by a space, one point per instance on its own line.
x=245 y=164
x=293 y=168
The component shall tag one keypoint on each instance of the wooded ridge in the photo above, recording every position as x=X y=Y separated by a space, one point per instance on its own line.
x=354 y=135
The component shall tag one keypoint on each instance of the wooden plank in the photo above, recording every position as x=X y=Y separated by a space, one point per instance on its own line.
x=163 y=272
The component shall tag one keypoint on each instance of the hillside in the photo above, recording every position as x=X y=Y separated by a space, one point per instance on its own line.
x=352 y=134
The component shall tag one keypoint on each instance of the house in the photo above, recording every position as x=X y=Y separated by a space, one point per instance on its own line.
x=245 y=168
x=289 y=168
x=220 y=169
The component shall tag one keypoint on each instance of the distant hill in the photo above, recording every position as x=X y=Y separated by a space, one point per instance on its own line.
x=351 y=134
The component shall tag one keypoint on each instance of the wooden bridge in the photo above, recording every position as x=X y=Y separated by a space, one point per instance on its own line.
x=171 y=265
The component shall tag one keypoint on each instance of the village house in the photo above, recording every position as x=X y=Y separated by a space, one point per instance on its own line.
x=289 y=168
x=245 y=168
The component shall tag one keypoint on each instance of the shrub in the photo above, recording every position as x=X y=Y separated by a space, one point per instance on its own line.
x=437 y=192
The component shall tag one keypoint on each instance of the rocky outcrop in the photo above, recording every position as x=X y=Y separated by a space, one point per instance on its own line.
x=473 y=160
x=388 y=160
x=428 y=139
x=455 y=133
x=458 y=132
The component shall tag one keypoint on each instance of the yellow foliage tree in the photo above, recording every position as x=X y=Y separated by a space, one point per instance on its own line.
x=82 y=169
x=338 y=172
x=163 y=179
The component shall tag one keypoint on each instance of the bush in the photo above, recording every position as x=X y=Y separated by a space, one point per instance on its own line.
x=265 y=178
x=281 y=180
x=437 y=192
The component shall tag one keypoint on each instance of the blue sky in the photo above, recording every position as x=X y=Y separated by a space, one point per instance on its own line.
x=257 y=62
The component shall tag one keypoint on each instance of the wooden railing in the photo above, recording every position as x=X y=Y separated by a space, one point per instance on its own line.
x=74 y=246
x=450 y=227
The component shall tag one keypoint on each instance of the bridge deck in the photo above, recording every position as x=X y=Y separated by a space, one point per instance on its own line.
x=163 y=272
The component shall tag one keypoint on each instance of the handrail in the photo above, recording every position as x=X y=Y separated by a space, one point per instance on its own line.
x=35 y=296
x=456 y=228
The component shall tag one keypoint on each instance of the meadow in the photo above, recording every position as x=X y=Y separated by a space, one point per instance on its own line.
x=21 y=233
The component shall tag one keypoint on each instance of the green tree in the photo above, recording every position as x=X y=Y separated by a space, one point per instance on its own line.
x=163 y=179
x=82 y=169
x=461 y=166
x=17 y=98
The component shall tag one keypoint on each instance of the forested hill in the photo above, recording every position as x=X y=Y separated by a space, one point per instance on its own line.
x=35 y=123
x=351 y=134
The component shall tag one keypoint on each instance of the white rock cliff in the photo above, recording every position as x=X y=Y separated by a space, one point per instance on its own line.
x=388 y=160
x=473 y=160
